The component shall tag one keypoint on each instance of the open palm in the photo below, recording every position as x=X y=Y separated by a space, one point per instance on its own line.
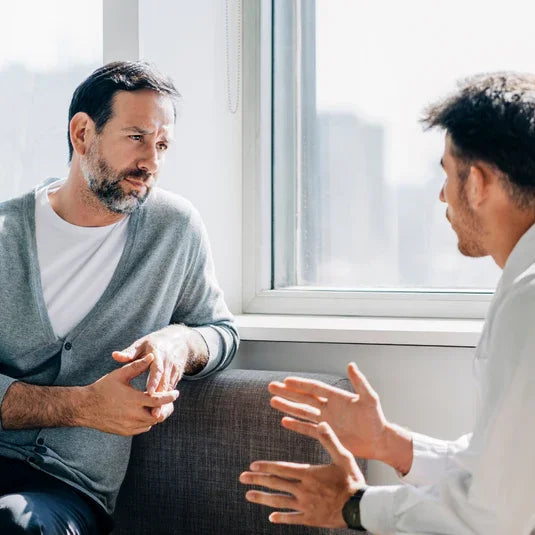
x=356 y=418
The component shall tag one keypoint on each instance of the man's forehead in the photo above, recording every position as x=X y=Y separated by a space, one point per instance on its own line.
x=447 y=148
x=144 y=109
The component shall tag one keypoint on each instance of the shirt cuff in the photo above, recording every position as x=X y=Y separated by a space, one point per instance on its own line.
x=5 y=383
x=213 y=343
x=376 y=509
x=430 y=460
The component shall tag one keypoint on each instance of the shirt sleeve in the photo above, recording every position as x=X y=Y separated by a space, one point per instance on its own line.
x=490 y=490
x=432 y=458
x=5 y=383
x=202 y=305
x=495 y=499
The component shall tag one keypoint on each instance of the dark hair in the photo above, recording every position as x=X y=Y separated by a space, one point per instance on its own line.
x=491 y=118
x=94 y=95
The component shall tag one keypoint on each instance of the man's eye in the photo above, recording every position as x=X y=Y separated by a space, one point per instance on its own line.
x=162 y=146
x=136 y=137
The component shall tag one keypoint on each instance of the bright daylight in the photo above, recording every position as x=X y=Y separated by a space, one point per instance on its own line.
x=267 y=267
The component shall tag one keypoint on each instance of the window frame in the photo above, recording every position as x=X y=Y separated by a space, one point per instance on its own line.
x=258 y=296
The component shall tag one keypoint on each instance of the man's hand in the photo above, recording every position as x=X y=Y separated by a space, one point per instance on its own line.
x=113 y=406
x=356 y=418
x=315 y=494
x=110 y=404
x=177 y=349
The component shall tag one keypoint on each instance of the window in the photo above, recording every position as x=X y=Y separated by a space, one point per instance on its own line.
x=48 y=48
x=357 y=227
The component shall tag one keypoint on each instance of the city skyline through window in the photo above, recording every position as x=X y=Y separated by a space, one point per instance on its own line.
x=367 y=177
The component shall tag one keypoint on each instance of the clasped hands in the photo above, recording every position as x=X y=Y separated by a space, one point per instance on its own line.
x=114 y=406
x=346 y=424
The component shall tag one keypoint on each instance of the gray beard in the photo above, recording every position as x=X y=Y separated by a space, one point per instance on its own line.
x=107 y=187
x=112 y=196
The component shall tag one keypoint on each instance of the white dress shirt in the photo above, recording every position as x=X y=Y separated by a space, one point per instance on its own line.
x=483 y=483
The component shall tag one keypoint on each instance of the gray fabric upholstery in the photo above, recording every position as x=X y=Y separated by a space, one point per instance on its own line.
x=183 y=474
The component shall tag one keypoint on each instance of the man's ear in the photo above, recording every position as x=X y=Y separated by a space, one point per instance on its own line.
x=477 y=185
x=81 y=129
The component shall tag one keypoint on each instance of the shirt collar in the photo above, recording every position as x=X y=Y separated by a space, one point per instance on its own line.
x=521 y=257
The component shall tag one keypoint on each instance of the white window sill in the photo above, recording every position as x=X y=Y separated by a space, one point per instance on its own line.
x=360 y=330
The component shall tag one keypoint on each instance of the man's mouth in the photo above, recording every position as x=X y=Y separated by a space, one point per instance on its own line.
x=137 y=184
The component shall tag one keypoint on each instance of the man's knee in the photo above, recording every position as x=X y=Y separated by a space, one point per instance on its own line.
x=17 y=516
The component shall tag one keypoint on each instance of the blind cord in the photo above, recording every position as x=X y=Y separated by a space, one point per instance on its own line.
x=233 y=97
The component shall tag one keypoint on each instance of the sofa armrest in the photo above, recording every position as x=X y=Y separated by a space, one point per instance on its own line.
x=183 y=474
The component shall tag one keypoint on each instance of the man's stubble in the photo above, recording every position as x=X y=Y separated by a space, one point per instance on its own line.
x=104 y=182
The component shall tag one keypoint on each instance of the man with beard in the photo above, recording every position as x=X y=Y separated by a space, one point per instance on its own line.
x=482 y=483
x=102 y=277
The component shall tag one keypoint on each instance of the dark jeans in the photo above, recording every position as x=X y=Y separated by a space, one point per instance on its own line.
x=34 y=502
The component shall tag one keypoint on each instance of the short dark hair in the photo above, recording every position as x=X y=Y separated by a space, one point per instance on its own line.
x=94 y=95
x=491 y=118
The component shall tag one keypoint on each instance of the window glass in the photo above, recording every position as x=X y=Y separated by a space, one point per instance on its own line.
x=356 y=180
x=46 y=50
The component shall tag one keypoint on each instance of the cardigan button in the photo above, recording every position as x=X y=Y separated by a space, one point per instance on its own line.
x=67 y=346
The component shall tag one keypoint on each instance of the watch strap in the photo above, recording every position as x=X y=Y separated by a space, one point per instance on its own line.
x=351 y=511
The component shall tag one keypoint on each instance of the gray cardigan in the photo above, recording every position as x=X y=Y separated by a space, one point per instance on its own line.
x=165 y=275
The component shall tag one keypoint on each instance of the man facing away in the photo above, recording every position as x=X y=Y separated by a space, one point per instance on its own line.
x=482 y=483
x=102 y=277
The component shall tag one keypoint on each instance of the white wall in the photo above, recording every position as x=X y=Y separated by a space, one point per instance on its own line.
x=425 y=388
x=187 y=41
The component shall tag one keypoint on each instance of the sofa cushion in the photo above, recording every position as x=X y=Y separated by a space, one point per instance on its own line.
x=183 y=474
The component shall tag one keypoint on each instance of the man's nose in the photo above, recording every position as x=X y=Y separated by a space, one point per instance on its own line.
x=441 y=195
x=150 y=161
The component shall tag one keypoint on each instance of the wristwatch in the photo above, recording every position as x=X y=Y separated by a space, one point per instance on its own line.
x=351 y=511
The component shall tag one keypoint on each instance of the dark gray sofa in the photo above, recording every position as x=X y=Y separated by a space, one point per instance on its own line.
x=183 y=474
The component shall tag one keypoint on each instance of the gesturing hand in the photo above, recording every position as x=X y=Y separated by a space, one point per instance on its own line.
x=170 y=356
x=315 y=494
x=356 y=418
x=113 y=406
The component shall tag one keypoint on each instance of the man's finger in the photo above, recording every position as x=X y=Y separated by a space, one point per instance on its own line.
x=129 y=371
x=158 y=399
x=272 y=500
x=281 y=390
x=303 y=428
x=287 y=518
x=175 y=377
x=306 y=412
x=340 y=455
x=155 y=375
x=130 y=353
x=310 y=386
x=165 y=381
x=268 y=481
x=281 y=468
x=119 y=356
x=166 y=411
x=160 y=413
x=358 y=380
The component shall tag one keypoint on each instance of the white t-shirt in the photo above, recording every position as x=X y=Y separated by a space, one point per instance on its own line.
x=76 y=263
